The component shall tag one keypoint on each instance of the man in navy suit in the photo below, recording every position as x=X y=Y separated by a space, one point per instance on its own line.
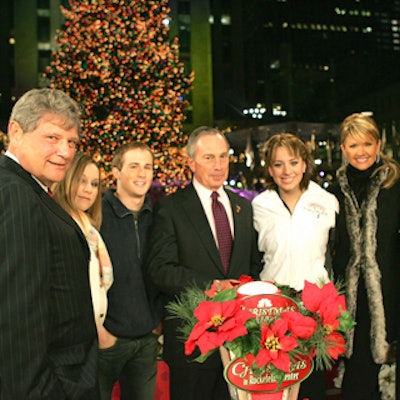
x=48 y=344
x=184 y=249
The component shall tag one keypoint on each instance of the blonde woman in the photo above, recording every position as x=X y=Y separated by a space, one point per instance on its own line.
x=366 y=257
x=79 y=194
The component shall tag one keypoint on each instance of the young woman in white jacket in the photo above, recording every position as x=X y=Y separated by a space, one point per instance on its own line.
x=293 y=218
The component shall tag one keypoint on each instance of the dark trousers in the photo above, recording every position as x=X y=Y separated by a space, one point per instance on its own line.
x=134 y=363
x=313 y=388
x=360 y=380
x=197 y=383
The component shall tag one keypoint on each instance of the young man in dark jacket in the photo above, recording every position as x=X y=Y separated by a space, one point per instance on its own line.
x=128 y=341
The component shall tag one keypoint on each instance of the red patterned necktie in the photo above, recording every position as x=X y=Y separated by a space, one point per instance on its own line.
x=50 y=193
x=223 y=230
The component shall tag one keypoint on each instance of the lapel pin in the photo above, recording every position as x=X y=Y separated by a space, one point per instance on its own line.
x=238 y=208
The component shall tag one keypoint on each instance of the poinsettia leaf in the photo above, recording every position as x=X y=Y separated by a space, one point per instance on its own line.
x=346 y=321
x=226 y=295
x=203 y=357
x=243 y=345
x=300 y=326
x=311 y=296
x=235 y=348
x=278 y=374
x=335 y=345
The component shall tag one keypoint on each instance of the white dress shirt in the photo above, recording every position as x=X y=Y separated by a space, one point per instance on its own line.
x=206 y=201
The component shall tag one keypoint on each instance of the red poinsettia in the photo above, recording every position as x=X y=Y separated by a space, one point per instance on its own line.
x=275 y=345
x=218 y=322
x=219 y=286
x=300 y=326
x=334 y=344
x=329 y=305
x=245 y=279
x=320 y=299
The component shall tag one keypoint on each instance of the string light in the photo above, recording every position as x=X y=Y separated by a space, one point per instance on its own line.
x=255 y=112
x=115 y=58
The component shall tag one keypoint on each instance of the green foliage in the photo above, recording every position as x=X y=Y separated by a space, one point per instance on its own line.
x=183 y=307
x=346 y=321
x=246 y=344
x=225 y=295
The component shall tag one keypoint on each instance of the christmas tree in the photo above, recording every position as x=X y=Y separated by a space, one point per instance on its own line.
x=115 y=58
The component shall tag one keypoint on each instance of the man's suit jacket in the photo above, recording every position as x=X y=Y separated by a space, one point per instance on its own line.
x=48 y=344
x=183 y=250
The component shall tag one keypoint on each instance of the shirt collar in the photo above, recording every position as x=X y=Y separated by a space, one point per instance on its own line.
x=120 y=209
x=204 y=192
x=14 y=157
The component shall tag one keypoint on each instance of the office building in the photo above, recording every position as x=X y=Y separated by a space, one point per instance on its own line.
x=257 y=62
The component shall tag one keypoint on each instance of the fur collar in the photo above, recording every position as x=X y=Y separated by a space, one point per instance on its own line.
x=362 y=224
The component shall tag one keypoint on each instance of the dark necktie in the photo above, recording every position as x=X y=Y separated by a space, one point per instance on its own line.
x=223 y=230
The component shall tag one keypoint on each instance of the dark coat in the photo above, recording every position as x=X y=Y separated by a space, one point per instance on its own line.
x=134 y=308
x=48 y=340
x=183 y=250
x=387 y=252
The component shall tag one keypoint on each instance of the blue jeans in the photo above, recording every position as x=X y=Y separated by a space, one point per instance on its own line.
x=132 y=362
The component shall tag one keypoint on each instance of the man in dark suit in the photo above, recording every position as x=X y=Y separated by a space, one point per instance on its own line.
x=185 y=248
x=48 y=345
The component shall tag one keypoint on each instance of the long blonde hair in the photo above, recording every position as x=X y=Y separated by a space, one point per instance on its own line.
x=359 y=125
x=65 y=191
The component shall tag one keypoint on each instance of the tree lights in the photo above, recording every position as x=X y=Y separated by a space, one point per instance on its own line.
x=115 y=58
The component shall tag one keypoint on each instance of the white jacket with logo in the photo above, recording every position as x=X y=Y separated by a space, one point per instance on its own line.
x=295 y=245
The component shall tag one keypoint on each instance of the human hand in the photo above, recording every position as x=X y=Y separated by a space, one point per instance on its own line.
x=158 y=329
x=106 y=339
